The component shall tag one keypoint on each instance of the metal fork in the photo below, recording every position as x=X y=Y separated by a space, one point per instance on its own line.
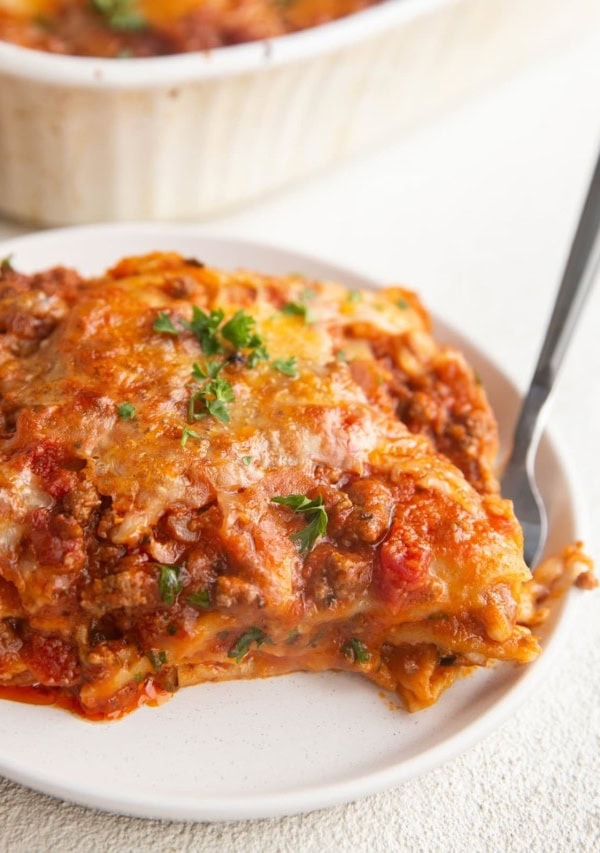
x=518 y=481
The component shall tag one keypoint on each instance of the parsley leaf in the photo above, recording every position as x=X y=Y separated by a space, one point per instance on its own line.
x=259 y=353
x=209 y=370
x=402 y=303
x=315 y=512
x=6 y=264
x=199 y=599
x=305 y=539
x=169 y=585
x=120 y=14
x=204 y=326
x=213 y=396
x=157 y=658
x=354 y=296
x=164 y=324
x=221 y=388
x=240 y=330
x=241 y=648
x=295 y=502
x=354 y=650
x=292 y=637
x=126 y=411
x=215 y=393
x=285 y=365
x=246 y=460
x=189 y=433
x=297 y=309
x=218 y=410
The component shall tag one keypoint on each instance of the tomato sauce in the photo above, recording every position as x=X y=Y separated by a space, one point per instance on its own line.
x=124 y=29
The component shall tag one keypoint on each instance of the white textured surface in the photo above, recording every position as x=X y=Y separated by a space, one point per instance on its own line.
x=476 y=212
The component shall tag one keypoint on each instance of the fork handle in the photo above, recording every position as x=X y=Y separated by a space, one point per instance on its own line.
x=575 y=286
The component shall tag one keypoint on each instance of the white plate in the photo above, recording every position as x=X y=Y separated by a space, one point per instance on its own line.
x=282 y=745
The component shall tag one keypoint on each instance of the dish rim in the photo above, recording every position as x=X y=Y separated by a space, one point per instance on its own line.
x=242 y=807
x=163 y=72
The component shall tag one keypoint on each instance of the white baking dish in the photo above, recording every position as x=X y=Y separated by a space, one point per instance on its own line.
x=186 y=136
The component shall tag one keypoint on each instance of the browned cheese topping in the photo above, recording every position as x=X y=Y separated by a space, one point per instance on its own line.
x=208 y=475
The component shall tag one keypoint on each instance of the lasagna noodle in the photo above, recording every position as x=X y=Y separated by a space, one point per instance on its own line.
x=148 y=420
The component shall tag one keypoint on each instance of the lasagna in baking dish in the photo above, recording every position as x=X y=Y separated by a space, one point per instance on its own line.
x=137 y=28
x=208 y=475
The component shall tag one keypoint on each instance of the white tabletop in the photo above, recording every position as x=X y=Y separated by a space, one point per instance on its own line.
x=476 y=212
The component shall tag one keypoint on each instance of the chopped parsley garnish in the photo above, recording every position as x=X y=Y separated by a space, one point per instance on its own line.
x=240 y=331
x=354 y=296
x=246 y=460
x=199 y=599
x=164 y=324
x=171 y=630
x=341 y=355
x=216 y=339
x=259 y=353
x=402 y=303
x=169 y=585
x=354 y=650
x=120 y=14
x=317 y=519
x=157 y=658
x=189 y=433
x=215 y=393
x=286 y=365
x=241 y=648
x=6 y=264
x=209 y=370
x=297 y=309
x=126 y=411
x=221 y=389
x=292 y=637
x=204 y=326
x=212 y=398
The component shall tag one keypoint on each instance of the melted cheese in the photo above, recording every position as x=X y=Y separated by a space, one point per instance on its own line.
x=133 y=559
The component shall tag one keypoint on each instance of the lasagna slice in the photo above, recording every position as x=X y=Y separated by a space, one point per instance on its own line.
x=209 y=475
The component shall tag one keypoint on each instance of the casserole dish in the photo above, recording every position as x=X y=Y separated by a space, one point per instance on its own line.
x=190 y=135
